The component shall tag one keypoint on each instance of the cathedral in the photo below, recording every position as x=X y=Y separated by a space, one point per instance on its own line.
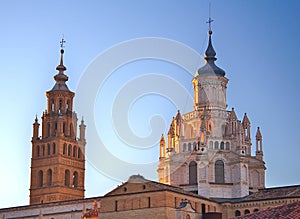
x=206 y=167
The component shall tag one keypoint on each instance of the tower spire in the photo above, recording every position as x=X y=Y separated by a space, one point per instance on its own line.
x=61 y=78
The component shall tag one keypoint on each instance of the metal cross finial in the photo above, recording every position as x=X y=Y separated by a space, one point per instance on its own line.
x=62 y=42
x=209 y=19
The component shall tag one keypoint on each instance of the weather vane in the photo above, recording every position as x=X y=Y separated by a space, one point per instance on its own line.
x=62 y=42
x=209 y=19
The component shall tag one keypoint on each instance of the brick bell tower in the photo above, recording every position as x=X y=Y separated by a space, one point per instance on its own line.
x=58 y=156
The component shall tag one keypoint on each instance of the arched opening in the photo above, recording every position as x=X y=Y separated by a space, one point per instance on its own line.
x=74 y=151
x=219 y=172
x=38 y=151
x=48 y=149
x=216 y=145
x=48 y=130
x=79 y=153
x=237 y=213
x=189 y=147
x=43 y=150
x=247 y=211
x=222 y=146
x=69 y=150
x=40 y=178
x=256 y=210
x=184 y=147
x=75 y=179
x=64 y=128
x=227 y=146
x=65 y=149
x=193 y=173
x=211 y=145
x=194 y=146
x=49 y=177
x=53 y=148
x=52 y=105
x=71 y=130
x=67 y=177
x=68 y=105
x=203 y=208
x=60 y=104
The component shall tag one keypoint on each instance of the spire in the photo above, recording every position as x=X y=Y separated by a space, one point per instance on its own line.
x=210 y=68
x=258 y=134
x=61 y=78
x=162 y=139
x=246 y=121
x=232 y=115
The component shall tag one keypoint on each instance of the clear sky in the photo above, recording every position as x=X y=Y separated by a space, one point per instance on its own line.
x=257 y=43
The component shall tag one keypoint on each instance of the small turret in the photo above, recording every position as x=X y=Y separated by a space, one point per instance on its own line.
x=259 y=150
x=36 y=126
x=82 y=127
x=162 y=146
x=246 y=126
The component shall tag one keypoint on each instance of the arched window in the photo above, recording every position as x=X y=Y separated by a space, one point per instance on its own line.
x=65 y=149
x=184 y=147
x=256 y=210
x=216 y=145
x=69 y=150
x=49 y=177
x=79 y=153
x=74 y=151
x=67 y=177
x=75 y=180
x=222 y=146
x=60 y=104
x=227 y=146
x=38 y=151
x=237 y=213
x=193 y=173
x=48 y=149
x=43 y=150
x=203 y=208
x=53 y=148
x=48 y=130
x=219 y=172
x=40 y=178
x=189 y=147
x=52 y=105
x=68 y=105
x=211 y=145
x=71 y=130
x=64 y=128
x=247 y=211
x=194 y=146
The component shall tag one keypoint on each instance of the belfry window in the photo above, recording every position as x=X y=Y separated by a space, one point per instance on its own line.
x=53 y=148
x=79 y=153
x=74 y=151
x=60 y=104
x=52 y=105
x=219 y=172
x=75 y=179
x=67 y=177
x=193 y=173
x=49 y=177
x=65 y=149
x=38 y=151
x=40 y=178
x=48 y=149
x=69 y=150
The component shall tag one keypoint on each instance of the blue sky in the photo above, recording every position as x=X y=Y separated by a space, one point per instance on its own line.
x=257 y=43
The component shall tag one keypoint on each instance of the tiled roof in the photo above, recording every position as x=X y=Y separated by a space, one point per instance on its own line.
x=278 y=192
x=290 y=211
